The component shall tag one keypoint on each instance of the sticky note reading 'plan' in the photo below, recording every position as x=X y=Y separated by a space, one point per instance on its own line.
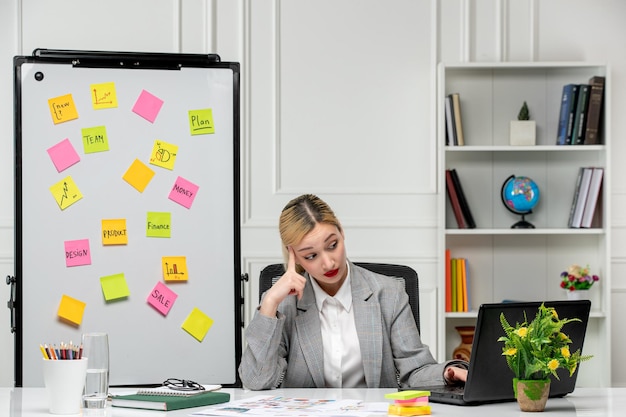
x=147 y=106
x=62 y=109
x=114 y=287
x=66 y=192
x=201 y=122
x=183 y=192
x=63 y=155
x=77 y=252
x=174 y=268
x=71 y=309
x=114 y=232
x=138 y=175
x=197 y=324
x=103 y=96
x=162 y=298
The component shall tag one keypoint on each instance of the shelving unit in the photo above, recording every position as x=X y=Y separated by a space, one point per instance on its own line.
x=522 y=264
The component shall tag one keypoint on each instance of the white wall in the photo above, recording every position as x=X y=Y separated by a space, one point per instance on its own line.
x=336 y=100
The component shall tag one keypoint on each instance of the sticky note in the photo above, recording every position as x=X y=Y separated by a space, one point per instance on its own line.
x=95 y=139
x=147 y=106
x=103 y=96
x=63 y=155
x=183 y=192
x=71 y=309
x=114 y=287
x=407 y=395
x=413 y=401
x=398 y=410
x=197 y=324
x=162 y=298
x=174 y=268
x=77 y=252
x=163 y=154
x=201 y=122
x=114 y=232
x=158 y=224
x=62 y=109
x=65 y=192
x=138 y=175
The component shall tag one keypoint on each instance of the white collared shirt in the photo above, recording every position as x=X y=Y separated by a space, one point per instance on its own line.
x=343 y=366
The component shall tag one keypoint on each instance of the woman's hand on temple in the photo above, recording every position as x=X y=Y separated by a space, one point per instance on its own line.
x=291 y=283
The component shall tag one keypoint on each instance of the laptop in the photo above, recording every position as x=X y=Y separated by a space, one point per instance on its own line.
x=489 y=378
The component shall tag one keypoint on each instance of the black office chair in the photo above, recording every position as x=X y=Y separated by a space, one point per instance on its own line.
x=271 y=273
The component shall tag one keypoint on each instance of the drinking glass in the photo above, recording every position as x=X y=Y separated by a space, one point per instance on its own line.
x=96 y=351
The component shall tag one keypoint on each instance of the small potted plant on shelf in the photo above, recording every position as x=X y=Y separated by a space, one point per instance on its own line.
x=522 y=130
x=534 y=351
x=577 y=281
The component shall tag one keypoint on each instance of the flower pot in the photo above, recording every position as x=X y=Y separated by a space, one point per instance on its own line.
x=578 y=295
x=531 y=395
x=464 y=350
x=522 y=133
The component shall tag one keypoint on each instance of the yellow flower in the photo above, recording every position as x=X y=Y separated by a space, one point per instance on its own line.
x=553 y=364
x=565 y=352
x=563 y=336
x=510 y=351
x=555 y=314
x=521 y=332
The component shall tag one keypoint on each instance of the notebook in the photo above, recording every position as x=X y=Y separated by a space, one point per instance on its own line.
x=489 y=378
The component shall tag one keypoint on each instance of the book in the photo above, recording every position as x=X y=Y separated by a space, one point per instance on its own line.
x=572 y=210
x=456 y=112
x=581 y=200
x=594 y=111
x=169 y=402
x=465 y=209
x=450 y=124
x=566 y=113
x=448 y=286
x=454 y=200
x=578 y=131
x=453 y=285
x=165 y=390
x=592 y=197
x=463 y=283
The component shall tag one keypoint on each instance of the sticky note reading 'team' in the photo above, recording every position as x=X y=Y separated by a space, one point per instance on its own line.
x=77 y=252
x=103 y=96
x=197 y=324
x=95 y=139
x=63 y=155
x=114 y=232
x=163 y=154
x=62 y=109
x=66 y=192
x=162 y=298
x=147 y=106
x=183 y=192
x=114 y=287
x=138 y=175
x=71 y=309
x=158 y=224
x=174 y=268
x=201 y=122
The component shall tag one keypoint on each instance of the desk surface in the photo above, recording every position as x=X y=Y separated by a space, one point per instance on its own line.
x=31 y=402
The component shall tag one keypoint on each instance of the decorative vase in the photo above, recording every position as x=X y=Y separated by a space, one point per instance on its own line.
x=464 y=350
x=578 y=295
x=531 y=395
x=522 y=133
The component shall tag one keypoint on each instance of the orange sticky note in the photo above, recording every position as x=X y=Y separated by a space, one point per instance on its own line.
x=174 y=268
x=197 y=324
x=71 y=309
x=62 y=109
x=138 y=175
x=114 y=232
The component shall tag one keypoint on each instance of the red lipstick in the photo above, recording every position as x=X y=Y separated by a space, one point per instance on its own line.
x=331 y=273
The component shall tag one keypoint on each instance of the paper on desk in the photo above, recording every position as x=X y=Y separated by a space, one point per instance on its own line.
x=270 y=405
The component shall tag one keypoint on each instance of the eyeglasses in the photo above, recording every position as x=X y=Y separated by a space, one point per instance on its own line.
x=182 y=385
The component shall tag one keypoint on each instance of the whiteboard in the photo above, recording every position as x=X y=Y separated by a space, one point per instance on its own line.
x=191 y=328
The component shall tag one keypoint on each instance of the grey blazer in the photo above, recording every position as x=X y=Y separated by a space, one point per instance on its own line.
x=287 y=351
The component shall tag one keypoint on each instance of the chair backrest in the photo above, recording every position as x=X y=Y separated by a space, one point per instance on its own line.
x=271 y=273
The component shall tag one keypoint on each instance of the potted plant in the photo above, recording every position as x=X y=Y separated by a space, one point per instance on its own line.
x=534 y=351
x=577 y=280
x=522 y=130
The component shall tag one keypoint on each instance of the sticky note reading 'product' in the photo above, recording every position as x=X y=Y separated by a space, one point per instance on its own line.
x=197 y=324
x=114 y=232
x=95 y=139
x=201 y=122
x=77 y=252
x=71 y=309
x=183 y=192
x=162 y=298
x=158 y=224
x=163 y=154
x=147 y=106
x=114 y=287
x=174 y=268
x=62 y=109
x=138 y=175
x=66 y=192
x=103 y=96
x=63 y=155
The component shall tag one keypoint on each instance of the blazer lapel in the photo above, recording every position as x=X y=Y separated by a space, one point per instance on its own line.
x=310 y=336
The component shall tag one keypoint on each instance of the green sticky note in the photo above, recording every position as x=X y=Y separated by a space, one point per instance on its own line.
x=407 y=395
x=114 y=287
x=159 y=224
x=201 y=122
x=95 y=139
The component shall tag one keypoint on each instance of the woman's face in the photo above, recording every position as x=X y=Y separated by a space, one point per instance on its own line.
x=323 y=255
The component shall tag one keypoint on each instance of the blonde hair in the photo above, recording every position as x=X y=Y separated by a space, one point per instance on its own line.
x=299 y=217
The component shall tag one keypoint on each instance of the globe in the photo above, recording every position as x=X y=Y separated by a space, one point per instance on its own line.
x=520 y=195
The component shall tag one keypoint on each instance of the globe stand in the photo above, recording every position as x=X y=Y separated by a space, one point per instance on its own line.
x=523 y=224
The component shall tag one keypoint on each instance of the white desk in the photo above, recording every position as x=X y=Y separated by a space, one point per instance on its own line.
x=588 y=402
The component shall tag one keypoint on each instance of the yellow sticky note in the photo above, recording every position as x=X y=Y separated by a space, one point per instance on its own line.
x=197 y=324
x=62 y=109
x=114 y=232
x=66 y=192
x=114 y=287
x=95 y=139
x=398 y=410
x=103 y=96
x=201 y=122
x=71 y=309
x=159 y=224
x=174 y=268
x=163 y=154
x=138 y=175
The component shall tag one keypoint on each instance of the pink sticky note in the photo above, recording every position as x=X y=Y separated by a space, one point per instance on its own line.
x=183 y=192
x=77 y=252
x=147 y=106
x=162 y=298
x=63 y=155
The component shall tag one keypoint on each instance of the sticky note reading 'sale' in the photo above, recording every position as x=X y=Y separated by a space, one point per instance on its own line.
x=162 y=298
